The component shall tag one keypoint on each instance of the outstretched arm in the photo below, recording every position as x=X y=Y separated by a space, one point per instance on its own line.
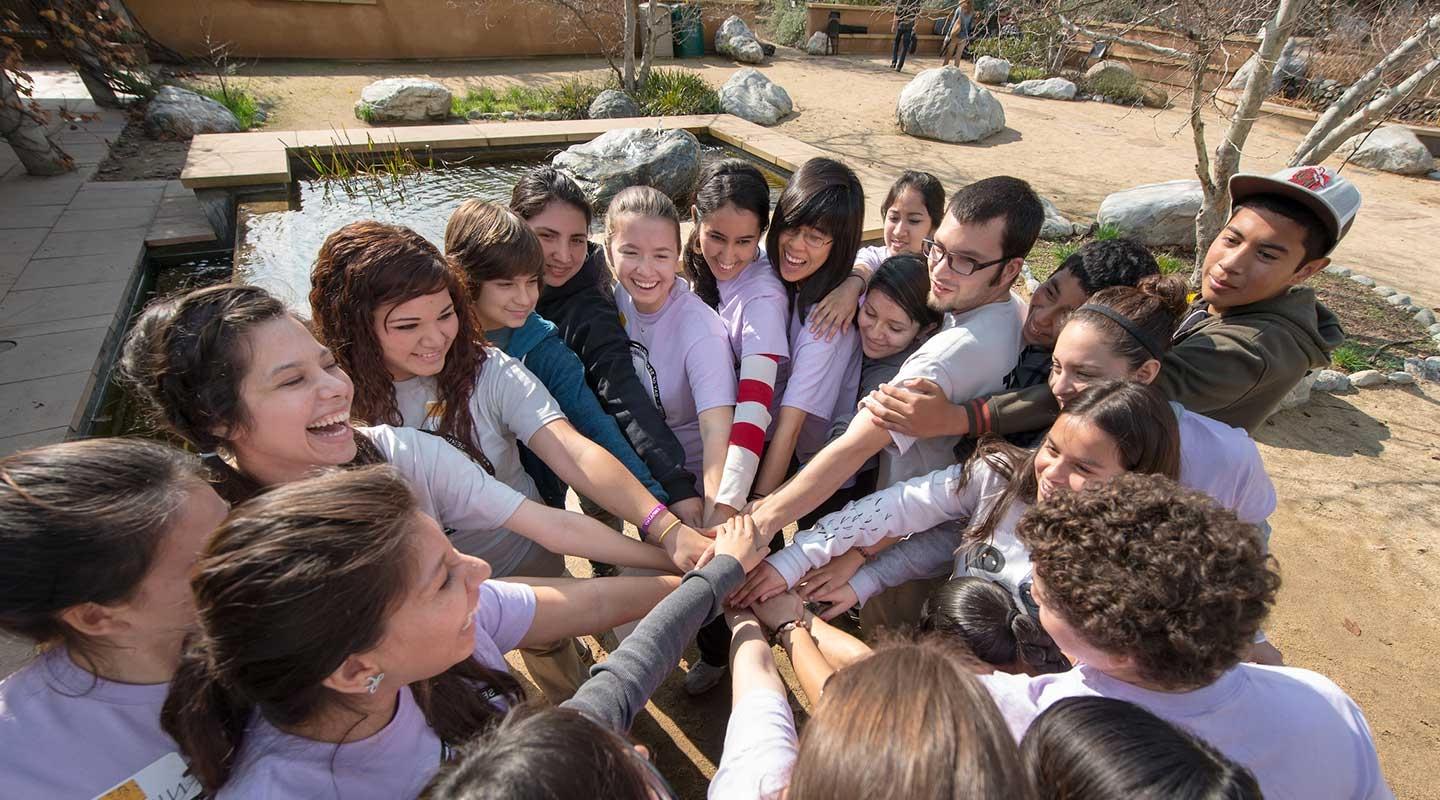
x=571 y=534
x=747 y=434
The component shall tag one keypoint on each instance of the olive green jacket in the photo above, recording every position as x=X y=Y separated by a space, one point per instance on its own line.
x=1234 y=367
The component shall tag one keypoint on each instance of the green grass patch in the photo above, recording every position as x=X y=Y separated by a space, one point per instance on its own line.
x=1173 y=265
x=1106 y=232
x=240 y=102
x=1350 y=357
x=668 y=92
x=1115 y=87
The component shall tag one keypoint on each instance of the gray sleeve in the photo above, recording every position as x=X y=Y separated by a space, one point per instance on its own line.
x=620 y=686
x=928 y=554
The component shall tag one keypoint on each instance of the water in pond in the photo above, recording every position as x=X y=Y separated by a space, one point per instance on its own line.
x=279 y=240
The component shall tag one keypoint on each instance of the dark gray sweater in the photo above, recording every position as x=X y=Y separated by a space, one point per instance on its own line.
x=620 y=686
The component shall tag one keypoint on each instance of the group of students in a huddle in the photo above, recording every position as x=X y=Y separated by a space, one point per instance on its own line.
x=319 y=603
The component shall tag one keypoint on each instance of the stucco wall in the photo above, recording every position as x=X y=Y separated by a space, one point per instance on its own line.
x=388 y=29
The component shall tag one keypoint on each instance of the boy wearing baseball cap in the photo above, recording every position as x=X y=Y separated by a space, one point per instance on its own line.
x=1250 y=336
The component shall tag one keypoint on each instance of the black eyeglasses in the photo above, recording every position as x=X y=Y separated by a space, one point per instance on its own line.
x=935 y=253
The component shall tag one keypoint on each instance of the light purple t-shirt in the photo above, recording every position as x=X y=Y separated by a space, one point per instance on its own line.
x=753 y=306
x=760 y=749
x=66 y=734
x=872 y=256
x=684 y=348
x=1295 y=729
x=1224 y=462
x=397 y=761
x=821 y=379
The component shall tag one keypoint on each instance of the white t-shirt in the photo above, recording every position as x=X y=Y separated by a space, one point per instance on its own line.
x=508 y=406
x=760 y=749
x=395 y=762
x=968 y=358
x=1224 y=463
x=1295 y=729
x=470 y=504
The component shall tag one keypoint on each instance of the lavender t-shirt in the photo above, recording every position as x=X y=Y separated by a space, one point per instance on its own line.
x=753 y=307
x=872 y=256
x=397 y=761
x=821 y=379
x=684 y=354
x=66 y=734
x=1295 y=729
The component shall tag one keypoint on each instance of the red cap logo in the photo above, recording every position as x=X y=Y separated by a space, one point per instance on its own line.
x=1312 y=178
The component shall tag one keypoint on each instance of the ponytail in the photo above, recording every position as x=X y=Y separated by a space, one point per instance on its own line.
x=982 y=615
x=206 y=720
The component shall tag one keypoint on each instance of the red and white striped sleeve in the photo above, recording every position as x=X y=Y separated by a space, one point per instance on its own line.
x=747 y=433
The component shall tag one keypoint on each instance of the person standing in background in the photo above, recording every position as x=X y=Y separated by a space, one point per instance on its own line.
x=906 y=12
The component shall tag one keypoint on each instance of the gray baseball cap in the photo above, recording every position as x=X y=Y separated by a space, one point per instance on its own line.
x=1334 y=199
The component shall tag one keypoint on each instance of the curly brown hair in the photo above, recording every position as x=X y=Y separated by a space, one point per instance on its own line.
x=366 y=265
x=1142 y=567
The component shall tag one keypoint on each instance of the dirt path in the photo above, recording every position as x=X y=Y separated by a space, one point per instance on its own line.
x=1076 y=153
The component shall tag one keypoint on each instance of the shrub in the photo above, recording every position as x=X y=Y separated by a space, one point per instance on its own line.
x=1027 y=50
x=1116 y=87
x=572 y=97
x=677 y=91
x=240 y=102
x=787 y=22
x=1018 y=74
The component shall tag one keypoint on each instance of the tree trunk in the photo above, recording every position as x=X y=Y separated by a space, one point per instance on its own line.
x=1226 y=163
x=1364 y=88
x=647 y=47
x=1376 y=111
x=628 y=42
x=27 y=136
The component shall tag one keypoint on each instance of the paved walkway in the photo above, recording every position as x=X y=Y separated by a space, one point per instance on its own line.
x=71 y=262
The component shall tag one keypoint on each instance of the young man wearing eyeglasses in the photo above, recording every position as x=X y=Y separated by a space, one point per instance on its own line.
x=974 y=258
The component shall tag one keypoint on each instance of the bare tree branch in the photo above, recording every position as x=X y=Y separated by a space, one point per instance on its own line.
x=1344 y=106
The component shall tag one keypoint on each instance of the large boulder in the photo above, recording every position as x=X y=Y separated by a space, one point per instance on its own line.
x=818 y=44
x=669 y=160
x=403 y=100
x=750 y=95
x=1292 y=66
x=612 y=104
x=1056 y=226
x=1390 y=148
x=1049 y=88
x=181 y=113
x=992 y=70
x=943 y=104
x=735 y=39
x=1157 y=214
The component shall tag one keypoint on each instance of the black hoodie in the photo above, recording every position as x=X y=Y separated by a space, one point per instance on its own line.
x=584 y=311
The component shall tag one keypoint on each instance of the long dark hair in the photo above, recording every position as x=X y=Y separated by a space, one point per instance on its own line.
x=1098 y=748
x=730 y=181
x=823 y=194
x=909 y=721
x=542 y=753
x=186 y=358
x=982 y=614
x=1135 y=415
x=906 y=280
x=81 y=522
x=296 y=581
x=932 y=194
x=366 y=265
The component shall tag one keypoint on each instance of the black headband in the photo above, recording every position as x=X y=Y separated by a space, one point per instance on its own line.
x=1135 y=333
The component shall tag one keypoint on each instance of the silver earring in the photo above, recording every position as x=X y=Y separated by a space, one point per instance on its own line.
x=372 y=683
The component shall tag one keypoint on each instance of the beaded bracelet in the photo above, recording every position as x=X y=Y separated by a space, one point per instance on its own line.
x=660 y=508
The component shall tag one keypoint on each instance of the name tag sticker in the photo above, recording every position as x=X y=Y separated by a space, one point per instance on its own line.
x=165 y=779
